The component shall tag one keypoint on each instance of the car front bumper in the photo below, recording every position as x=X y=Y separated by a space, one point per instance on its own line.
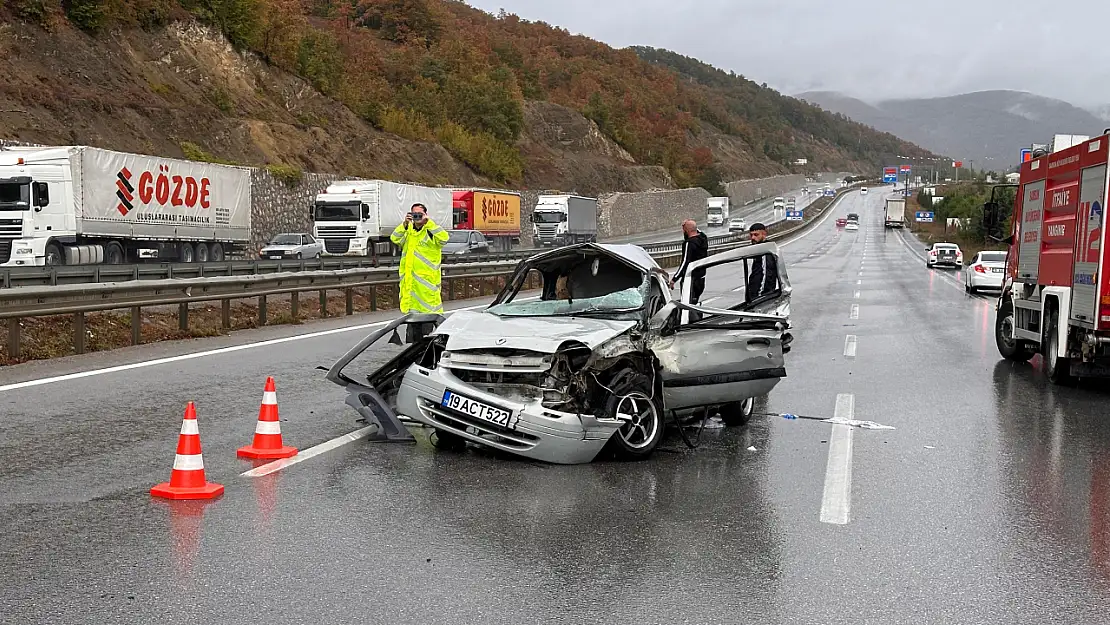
x=536 y=432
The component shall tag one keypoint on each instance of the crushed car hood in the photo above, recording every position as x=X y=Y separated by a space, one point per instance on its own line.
x=468 y=329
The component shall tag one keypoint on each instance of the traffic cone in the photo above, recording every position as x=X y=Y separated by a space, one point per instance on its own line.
x=267 y=432
x=187 y=478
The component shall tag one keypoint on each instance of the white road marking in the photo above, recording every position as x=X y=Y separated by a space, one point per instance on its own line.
x=836 y=503
x=311 y=452
x=859 y=282
x=855 y=312
x=856 y=296
x=209 y=352
x=860 y=273
x=850 y=343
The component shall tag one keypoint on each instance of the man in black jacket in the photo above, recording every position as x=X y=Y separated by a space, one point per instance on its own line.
x=763 y=278
x=695 y=246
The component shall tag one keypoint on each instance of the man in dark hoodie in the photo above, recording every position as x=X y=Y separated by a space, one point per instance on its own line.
x=695 y=246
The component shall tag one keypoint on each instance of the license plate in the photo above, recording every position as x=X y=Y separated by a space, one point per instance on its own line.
x=476 y=409
x=997 y=270
x=274 y=256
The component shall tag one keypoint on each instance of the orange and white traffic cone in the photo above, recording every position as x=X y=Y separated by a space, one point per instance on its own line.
x=187 y=479
x=267 y=432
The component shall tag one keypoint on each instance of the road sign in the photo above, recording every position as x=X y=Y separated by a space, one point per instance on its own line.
x=1026 y=155
x=794 y=215
x=905 y=169
x=829 y=193
x=957 y=164
x=924 y=216
x=890 y=174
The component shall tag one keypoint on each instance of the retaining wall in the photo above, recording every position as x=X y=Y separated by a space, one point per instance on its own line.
x=742 y=192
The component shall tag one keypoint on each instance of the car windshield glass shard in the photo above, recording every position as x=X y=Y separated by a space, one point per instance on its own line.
x=286 y=239
x=619 y=301
x=581 y=283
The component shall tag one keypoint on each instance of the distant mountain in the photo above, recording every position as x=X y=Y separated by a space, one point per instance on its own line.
x=1102 y=112
x=988 y=127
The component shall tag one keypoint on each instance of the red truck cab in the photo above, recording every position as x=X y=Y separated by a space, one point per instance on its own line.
x=1056 y=296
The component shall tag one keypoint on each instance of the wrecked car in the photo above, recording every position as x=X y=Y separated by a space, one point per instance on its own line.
x=596 y=361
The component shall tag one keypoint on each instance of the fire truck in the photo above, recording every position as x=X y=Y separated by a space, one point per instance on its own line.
x=1055 y=297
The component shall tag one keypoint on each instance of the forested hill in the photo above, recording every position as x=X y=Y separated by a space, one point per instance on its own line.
x=427 y=90
x=732 y=100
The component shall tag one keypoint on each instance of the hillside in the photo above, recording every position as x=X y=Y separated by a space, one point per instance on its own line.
x=989 y=127
x=421 y=90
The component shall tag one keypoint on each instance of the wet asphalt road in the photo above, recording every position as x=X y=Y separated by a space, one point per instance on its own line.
x=990 y=502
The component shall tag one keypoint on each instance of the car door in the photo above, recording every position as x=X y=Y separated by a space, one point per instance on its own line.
x=728 y=347
x=312 y=246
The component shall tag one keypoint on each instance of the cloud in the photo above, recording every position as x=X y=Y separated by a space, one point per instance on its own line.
x=867 y=49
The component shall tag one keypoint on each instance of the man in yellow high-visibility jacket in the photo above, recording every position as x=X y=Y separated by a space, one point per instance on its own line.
x=421 y=242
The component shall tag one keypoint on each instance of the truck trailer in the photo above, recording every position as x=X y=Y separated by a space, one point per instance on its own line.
x=895 y=213
x=496 y=214
x=1055 y=297
x=564 y=220
x=356 y=217
x=78 y=205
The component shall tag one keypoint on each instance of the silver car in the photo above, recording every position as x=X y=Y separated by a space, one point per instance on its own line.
x=292 y=245
x=596 y=362
x=985 y=271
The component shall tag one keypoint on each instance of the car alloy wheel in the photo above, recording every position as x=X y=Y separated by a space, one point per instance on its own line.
x=641 y=420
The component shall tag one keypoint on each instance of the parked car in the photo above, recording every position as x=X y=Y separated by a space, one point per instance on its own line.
x=465 y=242
x=292 y=245
x=597 y=362
x=944 y=255
x=985 y=271
x=737 y=224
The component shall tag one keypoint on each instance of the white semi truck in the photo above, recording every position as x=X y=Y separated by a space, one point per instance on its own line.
x=78 y=205
x=716 y=211
x=564 y=220
x=895 y=213
x=356 y=217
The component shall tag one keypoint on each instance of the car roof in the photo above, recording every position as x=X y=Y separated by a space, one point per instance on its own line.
x=946 y=245
x=632 y=254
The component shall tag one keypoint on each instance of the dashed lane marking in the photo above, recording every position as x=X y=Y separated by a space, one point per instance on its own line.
x=856 y=296
x=850 y=343
x=855 y=312
x=836 y=503
x=277 y=465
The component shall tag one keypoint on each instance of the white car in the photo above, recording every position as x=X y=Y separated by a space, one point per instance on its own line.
x=851 y=225
x=863 y=190
x=944 y=254
x=737 y=224
x=985 y=271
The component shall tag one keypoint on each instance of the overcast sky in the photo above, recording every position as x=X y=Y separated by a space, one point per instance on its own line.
x=868 y=49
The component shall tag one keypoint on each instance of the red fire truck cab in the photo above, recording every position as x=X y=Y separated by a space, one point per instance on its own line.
x=1056 y=294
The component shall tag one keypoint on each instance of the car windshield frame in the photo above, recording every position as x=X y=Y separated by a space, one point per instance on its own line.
x=285 y=239
x=507 y=305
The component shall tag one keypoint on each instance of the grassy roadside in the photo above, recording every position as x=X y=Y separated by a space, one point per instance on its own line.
x=43 y=338
x=930 y=233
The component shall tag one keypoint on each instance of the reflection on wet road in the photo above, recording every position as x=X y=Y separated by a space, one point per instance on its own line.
x=989 y=502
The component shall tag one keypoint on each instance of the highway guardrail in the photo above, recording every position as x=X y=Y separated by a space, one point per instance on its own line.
x=459 y=282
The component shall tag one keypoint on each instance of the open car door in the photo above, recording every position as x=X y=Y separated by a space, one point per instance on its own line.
x=727 y=347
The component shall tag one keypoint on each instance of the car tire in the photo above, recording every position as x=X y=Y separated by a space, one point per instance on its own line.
x=1011 y=348
x=1056 y=369
x=737 y=414
x=632 y=394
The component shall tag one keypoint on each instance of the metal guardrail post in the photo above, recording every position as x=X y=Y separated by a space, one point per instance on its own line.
x=349 y=294
x=183 y=317
x=79 y=332
x=225 y=314
x=13 y=338
x=295 y=306
x=261 y=310
x=323 y=304
x=136 y=325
